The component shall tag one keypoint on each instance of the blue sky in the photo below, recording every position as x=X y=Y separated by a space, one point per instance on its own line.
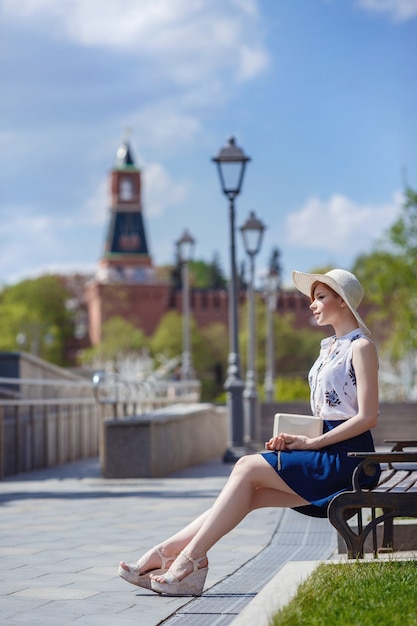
x=321 y=94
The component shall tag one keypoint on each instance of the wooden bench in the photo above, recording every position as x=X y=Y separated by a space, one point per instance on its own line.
x=395 y=494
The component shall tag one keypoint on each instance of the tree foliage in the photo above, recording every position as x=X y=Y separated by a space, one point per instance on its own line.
x=274 y=264
x=210 y=357
x=208 y=349
x=207 y=275
x=295 y=349
x=119 y=340
x=403 y=233
x=202 y=275
x=167 y=339
x=389 y=275
x=34 y=318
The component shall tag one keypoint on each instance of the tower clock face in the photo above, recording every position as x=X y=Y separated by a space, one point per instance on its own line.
x=126 y=189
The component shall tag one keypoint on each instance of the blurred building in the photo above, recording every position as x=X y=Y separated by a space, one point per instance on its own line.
x=127 y=284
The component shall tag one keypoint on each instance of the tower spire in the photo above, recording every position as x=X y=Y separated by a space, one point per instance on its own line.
x=126 y=257
x=124 y=155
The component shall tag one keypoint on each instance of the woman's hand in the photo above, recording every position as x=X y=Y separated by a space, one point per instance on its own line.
x=285 y=441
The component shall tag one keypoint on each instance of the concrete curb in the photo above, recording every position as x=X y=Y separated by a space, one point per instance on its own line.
x=283 y=587
x=276 y=594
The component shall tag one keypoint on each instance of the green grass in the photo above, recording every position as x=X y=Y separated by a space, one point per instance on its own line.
x=375 y=593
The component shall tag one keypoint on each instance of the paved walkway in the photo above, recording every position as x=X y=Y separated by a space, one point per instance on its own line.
x=64 y=530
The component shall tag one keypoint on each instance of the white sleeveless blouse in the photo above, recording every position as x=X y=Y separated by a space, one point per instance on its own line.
x=332 y=378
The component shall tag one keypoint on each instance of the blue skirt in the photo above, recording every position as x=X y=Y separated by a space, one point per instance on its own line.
x=319 y=475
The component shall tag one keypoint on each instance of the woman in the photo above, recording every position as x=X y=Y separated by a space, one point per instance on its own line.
x=295 y=471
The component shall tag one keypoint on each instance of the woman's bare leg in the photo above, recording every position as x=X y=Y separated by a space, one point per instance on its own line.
x=252 y=484
x=170 y=547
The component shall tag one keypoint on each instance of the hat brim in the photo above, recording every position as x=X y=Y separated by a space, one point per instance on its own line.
x=304 y=283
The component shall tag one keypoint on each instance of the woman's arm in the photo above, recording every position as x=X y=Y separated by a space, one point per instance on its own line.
x=365 y=363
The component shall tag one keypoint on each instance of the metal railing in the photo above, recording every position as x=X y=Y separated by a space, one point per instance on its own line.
x=46 y=422
x=126 y=398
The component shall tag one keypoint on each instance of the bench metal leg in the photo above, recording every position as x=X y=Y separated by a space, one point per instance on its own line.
x=388 y=535
x=345 y=509
x=338 y=517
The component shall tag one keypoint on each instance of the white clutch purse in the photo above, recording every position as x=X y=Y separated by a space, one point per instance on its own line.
x=308 y=425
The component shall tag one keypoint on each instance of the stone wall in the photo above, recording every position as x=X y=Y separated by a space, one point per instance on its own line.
x=163 y=442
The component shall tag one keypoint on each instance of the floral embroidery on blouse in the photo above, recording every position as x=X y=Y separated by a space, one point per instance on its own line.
x=332 y=399
x=352 y=374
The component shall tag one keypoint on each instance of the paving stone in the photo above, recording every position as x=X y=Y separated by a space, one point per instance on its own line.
x=64 y=530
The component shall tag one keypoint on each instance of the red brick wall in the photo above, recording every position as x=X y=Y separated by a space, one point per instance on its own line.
x=144 y=306
x=141 y=305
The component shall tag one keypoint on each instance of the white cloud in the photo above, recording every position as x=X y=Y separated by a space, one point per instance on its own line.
x=185 y=57
x=22 y=236
x=22 y=224
x=35 y=244
x=95 y=209
x=339 y=224
x=252 y=62
x=190 y=39
x=160 y=190
x=397 y=10
x=165 y=125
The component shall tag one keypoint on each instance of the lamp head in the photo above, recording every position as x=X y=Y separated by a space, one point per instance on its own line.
x=231 y=162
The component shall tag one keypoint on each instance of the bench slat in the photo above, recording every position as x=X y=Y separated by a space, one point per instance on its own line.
x=395 y=479
x=407 y=484
x=385 y=476
x=404 y=482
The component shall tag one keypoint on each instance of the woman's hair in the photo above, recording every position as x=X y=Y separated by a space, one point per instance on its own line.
x=317 y=282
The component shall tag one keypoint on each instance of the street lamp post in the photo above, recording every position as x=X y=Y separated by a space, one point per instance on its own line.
x=185 y=246
x=231 y=163
x=271 y=292
x=252 y=232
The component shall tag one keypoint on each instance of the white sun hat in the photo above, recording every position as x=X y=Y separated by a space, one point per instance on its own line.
x=344 y=283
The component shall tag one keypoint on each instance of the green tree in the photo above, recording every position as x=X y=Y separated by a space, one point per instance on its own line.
x=207 y=275
x=274 y=265
x=389 y=275
x=290 y=389
x=295 y=349
x=34 y=317
x=120 y=339
x=217 y=277
x=210 y=350
x=202 y=275
x=403 y=233
x=167 y=339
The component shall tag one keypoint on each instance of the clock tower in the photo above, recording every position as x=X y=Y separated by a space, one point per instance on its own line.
x=126 y=256
x=126 y=284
